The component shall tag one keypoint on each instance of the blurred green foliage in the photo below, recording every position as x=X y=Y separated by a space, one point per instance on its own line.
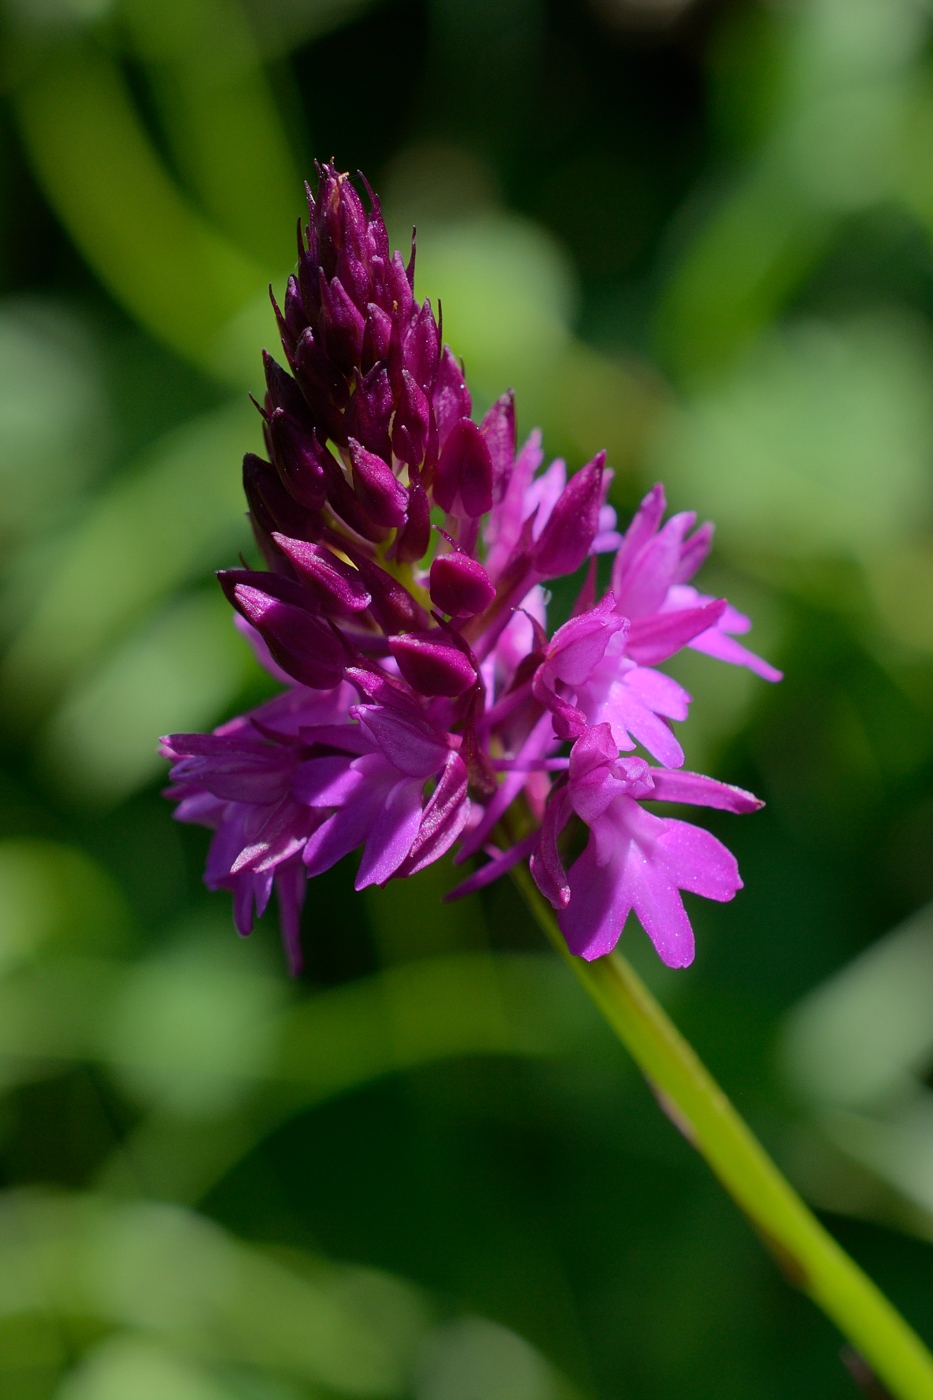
x=697 y=234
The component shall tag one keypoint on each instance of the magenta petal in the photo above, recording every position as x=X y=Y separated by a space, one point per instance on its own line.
x=659 y=692
x=545 y=864
x=580 y=644
x=391 y=835
x=693 y=552
x=702 y=792
x=542 y=495
x=260 y=650
x=342 y=832
x=326 y=782
x=697 y=861
x=599 y=903
x=501 y=862
x=644 y=525
x=409 y=741
x=660 y=909
x=504 y=525
x=645 y=585
x=250 y=890
x=384 y=497
x=653 y=639
x=464 y=476
x=298 y=642
x=498 y=429
x=443 y=818
x=716 y=643
x=290 y=886
x=629 y=714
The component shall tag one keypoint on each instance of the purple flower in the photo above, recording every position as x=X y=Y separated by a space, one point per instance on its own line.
x=425 y=703
x=633 y=859
x=650 y=575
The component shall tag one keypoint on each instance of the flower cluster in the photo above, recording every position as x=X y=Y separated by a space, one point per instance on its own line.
x=402 y=607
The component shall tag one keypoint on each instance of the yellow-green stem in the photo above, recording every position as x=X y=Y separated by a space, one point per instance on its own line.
x=807 y=1253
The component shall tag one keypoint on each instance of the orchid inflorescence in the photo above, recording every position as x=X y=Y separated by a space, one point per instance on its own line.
x=402 y=606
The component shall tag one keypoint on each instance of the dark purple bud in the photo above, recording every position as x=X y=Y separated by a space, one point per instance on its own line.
x=354 y=278
x=352 y=218
x=421 y=347
x=451 y=395
x=566 y=538
x=289 y=341
x=463 y=479
x=342 y=325
x=382 y=496
x=498 y=428
x=333 y=579
x=377 y=239
x=343 y=500
x=297 y=458
x=283 y=392
x=460 y=585
x=325 y=216
x=295 y=317
x=414 y=539
x=285 y=589
x=369 y=412
x=412 y=420
x=309 y=281
x=381 y=292
x=399 y=289
x=271 y=506
x=432 y=664
x=392 y=605
x=377 y=336
x=323 y=389
x=302 y=644
x=410 y=269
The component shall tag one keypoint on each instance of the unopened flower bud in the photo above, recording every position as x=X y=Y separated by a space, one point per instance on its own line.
x=369 y=412
x=460 y=585
x=463 y=479
x=334 y=580
x=392 y=605
x=566 y=538
x=343 y=325
x=377 y=336
x=283 y=392
x=297 y=458
x=302 y=644
x=382 y=495
x=414 y=538
x=421 y=347
x=272 y=507
x=498 y=429
x=432 y=664
x=412 y=420
x=451 y=396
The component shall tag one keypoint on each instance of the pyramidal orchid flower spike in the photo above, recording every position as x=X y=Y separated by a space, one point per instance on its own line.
x=426 y=705
x=405 y=547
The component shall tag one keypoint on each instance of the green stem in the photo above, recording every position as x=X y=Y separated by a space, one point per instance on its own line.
x=807 y=1253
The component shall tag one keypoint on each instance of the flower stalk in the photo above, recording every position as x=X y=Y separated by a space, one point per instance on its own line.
x=805 y=1251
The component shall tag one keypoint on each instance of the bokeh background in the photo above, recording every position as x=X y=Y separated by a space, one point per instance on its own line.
x=698 y=234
